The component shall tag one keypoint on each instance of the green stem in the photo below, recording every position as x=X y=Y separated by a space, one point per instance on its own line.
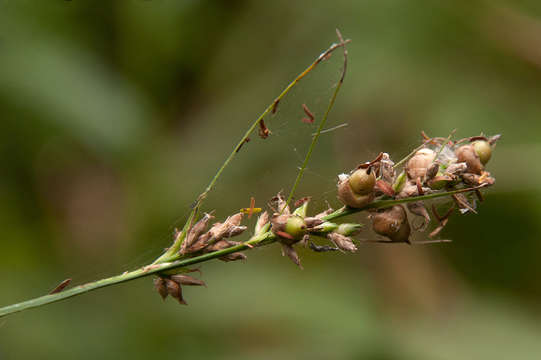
x=270 y=108
x=171 y=253
x=321 y=124
x=382 y=204
x=258 y=240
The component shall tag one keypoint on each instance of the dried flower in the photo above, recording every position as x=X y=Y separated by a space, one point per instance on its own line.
x=344 y=243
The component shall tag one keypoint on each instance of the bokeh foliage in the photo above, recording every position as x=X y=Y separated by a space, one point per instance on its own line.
x=115 y=115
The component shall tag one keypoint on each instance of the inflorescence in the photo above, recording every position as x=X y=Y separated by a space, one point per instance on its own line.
x=455 y=169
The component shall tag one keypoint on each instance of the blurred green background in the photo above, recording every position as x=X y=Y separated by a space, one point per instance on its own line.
x=114 y=116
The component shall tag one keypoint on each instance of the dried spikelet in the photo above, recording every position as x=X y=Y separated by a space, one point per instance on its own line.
x=175 y=290
x=344 y=243
x=161 y=288
x=194 y=233
x=292 y=254
x=227 y=228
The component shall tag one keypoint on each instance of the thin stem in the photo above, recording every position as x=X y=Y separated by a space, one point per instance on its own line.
x=172 y=252
x=270 y=108
x=258 y=240
x=322 y=123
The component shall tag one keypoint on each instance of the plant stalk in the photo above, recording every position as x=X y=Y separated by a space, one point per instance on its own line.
x=255 y=241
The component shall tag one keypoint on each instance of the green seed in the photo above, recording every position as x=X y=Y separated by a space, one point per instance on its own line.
x=483 y=149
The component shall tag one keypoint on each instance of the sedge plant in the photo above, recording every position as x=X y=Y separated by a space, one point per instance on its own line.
x=390 y=192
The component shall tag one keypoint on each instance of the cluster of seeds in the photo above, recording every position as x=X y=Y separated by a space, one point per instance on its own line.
x=439 y=165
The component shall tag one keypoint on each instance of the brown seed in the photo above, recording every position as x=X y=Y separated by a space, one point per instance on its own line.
x=419 y=163
x=467 y=154
x=350 y=198
x=392 y=223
